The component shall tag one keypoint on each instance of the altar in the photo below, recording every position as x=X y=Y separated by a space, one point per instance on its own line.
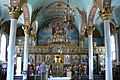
x=59 y=78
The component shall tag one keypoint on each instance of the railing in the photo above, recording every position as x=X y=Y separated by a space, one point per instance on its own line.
x=96 y=77
x=32 y=77
x=66 y=50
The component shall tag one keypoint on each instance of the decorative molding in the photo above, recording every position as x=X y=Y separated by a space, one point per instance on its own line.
x=71 y=50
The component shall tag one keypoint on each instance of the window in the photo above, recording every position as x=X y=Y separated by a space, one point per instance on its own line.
x=3 y=48
x=113 y=47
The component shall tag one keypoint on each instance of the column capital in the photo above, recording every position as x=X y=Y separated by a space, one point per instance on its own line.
x=26 y=29
x=105 y=13
x=14 y=12
x=82 y=37
x=90 y=30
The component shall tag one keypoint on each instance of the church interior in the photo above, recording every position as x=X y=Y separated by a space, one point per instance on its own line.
x=77 y=39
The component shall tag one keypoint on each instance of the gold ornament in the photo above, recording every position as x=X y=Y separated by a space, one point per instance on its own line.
x=14 y=12
x=90 y=30
x=105 y=13
x=26 y=29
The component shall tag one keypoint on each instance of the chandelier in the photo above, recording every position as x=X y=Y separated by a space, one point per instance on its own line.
x=69 y=14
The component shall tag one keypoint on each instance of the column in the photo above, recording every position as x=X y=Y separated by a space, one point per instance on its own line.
x=36 y=64
x=90 y=51
x=119 y=43
x=81 y=41
x=116 y=48
x=0 y=42
x=105 y=15
x=19 y=63
x=14 y=13
x=25 y=59
x=34 y=36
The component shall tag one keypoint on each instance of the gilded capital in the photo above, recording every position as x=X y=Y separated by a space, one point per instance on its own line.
x=90 y=30
x=82 y=38
x=26 y=29
x=14 y=12
x=105 y=13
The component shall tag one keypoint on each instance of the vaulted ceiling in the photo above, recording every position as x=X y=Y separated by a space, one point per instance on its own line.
x=45 y=11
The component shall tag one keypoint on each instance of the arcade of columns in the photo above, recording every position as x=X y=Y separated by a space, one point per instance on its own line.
x=105 y=15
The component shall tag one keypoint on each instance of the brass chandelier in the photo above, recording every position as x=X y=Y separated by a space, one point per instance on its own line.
x=69 y=14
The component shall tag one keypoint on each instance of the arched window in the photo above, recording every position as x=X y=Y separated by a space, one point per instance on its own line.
x=3 y=48
x=112 y=38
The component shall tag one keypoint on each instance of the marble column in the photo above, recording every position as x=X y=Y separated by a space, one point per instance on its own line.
x=19 y=67
x=105 y=15
x=116 y=49
x=90 y=52
x=25 y=59
x=0 y=43
x=81 y=41
x=14 y=13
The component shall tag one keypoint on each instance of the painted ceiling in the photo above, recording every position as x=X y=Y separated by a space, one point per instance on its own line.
x=48 y=10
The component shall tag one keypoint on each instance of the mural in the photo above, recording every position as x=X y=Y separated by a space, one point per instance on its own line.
x=49 y=30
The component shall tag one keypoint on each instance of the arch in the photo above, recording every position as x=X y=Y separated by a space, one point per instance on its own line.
x=92 y=14
x=3 y=48
x=84 y=20
x=27 y=14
